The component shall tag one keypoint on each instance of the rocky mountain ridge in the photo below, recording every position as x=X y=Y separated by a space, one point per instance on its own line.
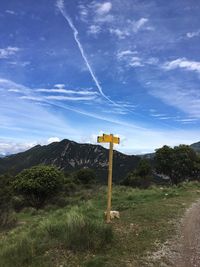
x=70 y=156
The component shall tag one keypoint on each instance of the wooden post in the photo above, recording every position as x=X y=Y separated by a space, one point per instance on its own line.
x=105 y=138
x=109 y=181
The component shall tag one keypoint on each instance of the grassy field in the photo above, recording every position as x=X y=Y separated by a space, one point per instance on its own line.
x=77 y=235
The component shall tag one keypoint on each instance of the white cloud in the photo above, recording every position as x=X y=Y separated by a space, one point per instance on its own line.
x=11 y=12
x=139 y=24
x=182 y=63
x=187 y=120
x=33 y=98
x=10 y=147
x=103 y=8
x=14 y=90
x=67 y=91
x=60 y=5
x=9 y=51
x=135 y=62
x=121 y=34
x=69 y=98
x=7 y=84
x=104 y=19
x=193 y=34
x=20 y=63
x=59 y=85
x=124 y=53
x=94 y=29
x=130 y=58
x=53 y=139
x=185 y=100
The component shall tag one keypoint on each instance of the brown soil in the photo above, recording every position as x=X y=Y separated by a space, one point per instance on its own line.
x=189 y=248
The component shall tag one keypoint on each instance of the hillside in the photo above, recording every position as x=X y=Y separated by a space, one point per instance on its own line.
x=196 y=146
x=68 y=156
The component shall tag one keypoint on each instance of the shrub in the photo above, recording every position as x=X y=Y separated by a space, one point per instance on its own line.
x=136 y=181
x=7 y=217
x=85 y=176
x=38 y=184
x=18 y=203
x=141 y=177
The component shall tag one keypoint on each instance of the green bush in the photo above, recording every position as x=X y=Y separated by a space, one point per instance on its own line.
x=85 y=176
x=38 y=184
x=141 y=177
x=18 y=203
x=7 y=217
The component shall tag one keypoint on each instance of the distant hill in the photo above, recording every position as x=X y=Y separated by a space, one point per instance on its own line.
x=196 y=147
x=70 y=156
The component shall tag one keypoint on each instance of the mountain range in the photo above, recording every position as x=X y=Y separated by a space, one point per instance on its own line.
x=70 y=156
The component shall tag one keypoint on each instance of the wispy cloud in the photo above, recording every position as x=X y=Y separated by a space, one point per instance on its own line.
x=33 y=98
x=14 y=90
x=59 y=85
x=124 y=53
x=121 y=34
x=11 y=12
x=94 y=29
x=138 y=24
x=8 y=51
x=182 y=63
x=188 y=101
x=67 y=91
x=61 y=7
x=8 y=147
x=132 y=59
x=130 y=28
x=70 y=98
x=193 y=34
x=101 y=12
x=104 y=8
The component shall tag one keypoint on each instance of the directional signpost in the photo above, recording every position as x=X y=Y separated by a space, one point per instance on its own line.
x=105 y=138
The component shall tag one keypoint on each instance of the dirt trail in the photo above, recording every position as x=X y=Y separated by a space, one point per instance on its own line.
x=189 y=248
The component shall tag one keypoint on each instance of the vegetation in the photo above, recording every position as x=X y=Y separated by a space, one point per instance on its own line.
x=69 y=228
x=141 y=177
x=7 y=217
x=38 y=184
x=78 y=236
x=179 y=163
x=85 y=176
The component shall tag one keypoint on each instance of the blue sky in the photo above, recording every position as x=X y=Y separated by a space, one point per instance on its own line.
x=75 y=69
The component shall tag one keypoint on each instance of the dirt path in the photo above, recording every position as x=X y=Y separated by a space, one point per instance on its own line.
x=189 y=248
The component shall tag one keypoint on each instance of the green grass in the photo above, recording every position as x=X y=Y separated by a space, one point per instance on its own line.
x=77 y=235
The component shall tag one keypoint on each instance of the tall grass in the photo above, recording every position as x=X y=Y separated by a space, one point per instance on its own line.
x=70 y=230
x=77 y=232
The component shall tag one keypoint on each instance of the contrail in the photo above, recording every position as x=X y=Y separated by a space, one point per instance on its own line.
x=60 y=5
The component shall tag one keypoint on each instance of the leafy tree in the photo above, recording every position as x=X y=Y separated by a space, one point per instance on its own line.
x=179 y=163
x=38 y=184
x=85 y=176
x=141 y=177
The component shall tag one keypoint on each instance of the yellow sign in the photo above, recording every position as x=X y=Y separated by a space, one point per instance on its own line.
x=105 y=138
